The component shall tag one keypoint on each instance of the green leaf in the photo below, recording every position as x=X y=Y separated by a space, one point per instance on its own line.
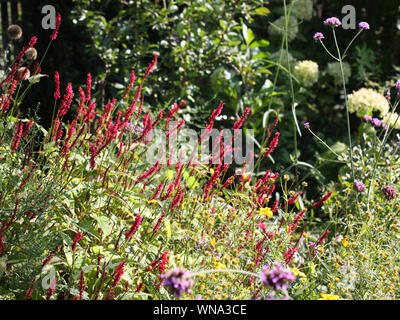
x=36 y=78
x=68 y=253
x=260 y=11
x=168 y=228
x=104 y=224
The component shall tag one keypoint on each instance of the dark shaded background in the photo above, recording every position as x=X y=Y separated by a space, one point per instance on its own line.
x=66 y=54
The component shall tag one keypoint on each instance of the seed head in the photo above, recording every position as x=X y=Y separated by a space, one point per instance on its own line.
x=14 y=32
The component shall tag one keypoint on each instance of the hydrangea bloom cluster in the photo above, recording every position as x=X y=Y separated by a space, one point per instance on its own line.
x=359 y=186
x=365 y=101
x=287 y=58
x=302 y=9
x=306 y=72
x=389 y=192
x=178 y=280
x=278 y=27
x=332 y=22
x=392 y=119
x=278 y=277
x=333 y=70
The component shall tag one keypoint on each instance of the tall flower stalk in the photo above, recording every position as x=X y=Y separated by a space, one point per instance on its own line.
x=334 y=22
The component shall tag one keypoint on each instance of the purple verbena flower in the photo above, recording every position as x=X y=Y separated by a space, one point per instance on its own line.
x=389 y=192
x=318 y=36
x=385 y=126
x=359 y=186
x=398 y=85
x=368 y=118
x=178 y=280
x=363 y=25
x=376 y=122
x=332 y=22
x=277 y=278
x=388 y=96
x=307 y=125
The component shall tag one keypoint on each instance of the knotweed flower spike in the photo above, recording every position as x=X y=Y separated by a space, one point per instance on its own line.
x=55 y=32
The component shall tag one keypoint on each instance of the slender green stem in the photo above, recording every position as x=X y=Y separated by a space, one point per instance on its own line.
x=323 y=142
x=376 y=159
x=346 y=104
x=326 y=49
x=351 y=42
x=296 y=128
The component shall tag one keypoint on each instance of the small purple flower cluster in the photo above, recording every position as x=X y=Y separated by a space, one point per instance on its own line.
x=398 y=87
x=363 y=26
x=335 y=22
x=389 y=192
x=318 y=36
x=178 y=280
x=359 y=186
x=375 y=122
x=277 y=278
x=332 y=22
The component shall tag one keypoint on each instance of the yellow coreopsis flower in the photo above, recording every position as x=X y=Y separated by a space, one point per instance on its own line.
x=297 y=273
x=345 y=243
x=218 y=265
x=266 y=212
x=327 y=296
x=212 y=242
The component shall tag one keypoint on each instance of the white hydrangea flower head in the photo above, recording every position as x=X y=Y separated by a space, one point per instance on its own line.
x=333 y=70
x=365 y=101
x=278 y=26
x=306 y=72
x=392 y=120
x=302 y=9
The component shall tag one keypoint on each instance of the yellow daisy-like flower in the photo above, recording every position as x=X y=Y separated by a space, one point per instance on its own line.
x=218 y=265
x=212 y=242
x=266 y=212
x=297 y=273
x=345 y=243
x=327 y=296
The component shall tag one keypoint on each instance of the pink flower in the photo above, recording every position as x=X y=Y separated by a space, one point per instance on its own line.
x=272 y=145
x=322 y=200
x=135 y=225
x=57 y=85
x=88 y=87
x=363 y=26
x=332 y=22
x=318 y=36
x=58 y=23
x=78 y=237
